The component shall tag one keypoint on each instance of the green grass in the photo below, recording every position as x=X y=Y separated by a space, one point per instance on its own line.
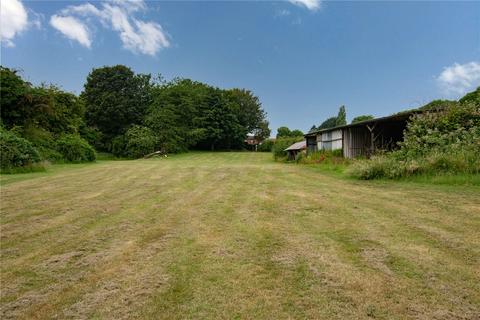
x=235 y=235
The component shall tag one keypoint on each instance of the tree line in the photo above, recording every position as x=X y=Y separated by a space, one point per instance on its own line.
x=339 y=120
x=125 y=113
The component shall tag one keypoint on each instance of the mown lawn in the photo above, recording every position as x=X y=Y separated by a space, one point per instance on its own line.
x=234 y=235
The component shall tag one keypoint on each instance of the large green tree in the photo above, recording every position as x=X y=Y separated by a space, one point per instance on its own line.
x=175 y=114
x=248 y=110
x=13 y=92
x=115 y=98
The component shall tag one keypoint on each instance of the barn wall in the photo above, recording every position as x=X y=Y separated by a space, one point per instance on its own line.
x=356 y=142
x=311 y=144
x=330 y=140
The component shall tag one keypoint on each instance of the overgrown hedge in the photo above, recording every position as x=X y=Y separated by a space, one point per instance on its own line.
x=16 y=152
x=75 y=149
x=266 y=145
x=140 y=141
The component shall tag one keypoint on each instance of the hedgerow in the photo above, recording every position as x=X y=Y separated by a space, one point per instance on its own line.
x=17 y=152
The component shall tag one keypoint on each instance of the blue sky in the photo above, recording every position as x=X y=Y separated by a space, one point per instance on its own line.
x=303 y=58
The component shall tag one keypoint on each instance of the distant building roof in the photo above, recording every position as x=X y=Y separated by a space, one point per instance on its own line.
x=297 y=146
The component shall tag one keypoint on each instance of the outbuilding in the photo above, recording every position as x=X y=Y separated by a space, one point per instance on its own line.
x=362 y=138
x=295 y=149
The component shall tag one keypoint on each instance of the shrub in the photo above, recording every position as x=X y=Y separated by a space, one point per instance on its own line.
x=44 y=142
x=94 y=137
x=281 y=144
x=16 y=152
x=75 y=149
x=118 y=147
x=266 y=145
x=139 y=141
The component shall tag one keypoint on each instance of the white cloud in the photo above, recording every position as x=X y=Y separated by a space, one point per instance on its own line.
x=459 y=78
x=14 y=20
x=312 y=5
x=72 y=28
x=136 y=35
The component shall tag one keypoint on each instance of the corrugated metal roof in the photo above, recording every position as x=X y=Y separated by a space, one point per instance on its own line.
x=297 y=146
x=399 y=116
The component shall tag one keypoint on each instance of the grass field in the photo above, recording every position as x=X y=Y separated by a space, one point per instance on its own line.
x=234 y=235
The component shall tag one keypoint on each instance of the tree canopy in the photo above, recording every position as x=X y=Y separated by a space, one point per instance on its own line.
x=329 y=123
x=362 y=118
x=115 y=98
x=284 y=132
x=339 y=120
x=187 y=114
x=341 y=117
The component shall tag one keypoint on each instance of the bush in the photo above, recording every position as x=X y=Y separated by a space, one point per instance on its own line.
x=139 y=141
x=94 y=137
x=43 y=141
x=75 y=149
x=118 y=147
x=266 y=145
x=16 y=152
x=283 y=143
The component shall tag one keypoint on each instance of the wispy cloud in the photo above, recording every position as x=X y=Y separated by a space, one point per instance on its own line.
x=282 y=13
x=459 y=78
x=72 y=28
x=14 y=20
x=312 y=5
x=138 y=36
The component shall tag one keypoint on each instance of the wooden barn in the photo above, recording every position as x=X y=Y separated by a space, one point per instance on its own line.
x=295 y=149
x=361 y=138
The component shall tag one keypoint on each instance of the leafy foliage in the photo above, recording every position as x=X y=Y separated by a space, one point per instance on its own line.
x=472 y=97
x=75 y=149
x=285 y=132
x=186 y=114
x=16 y=151
x=266 y=145
x=362 y=118
x=339 y=120
x=329 y=123
x=341 y=117
x=139 y=141
x=39 y=114
x=281 y=144
x=129 y=115
x=115 y=98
